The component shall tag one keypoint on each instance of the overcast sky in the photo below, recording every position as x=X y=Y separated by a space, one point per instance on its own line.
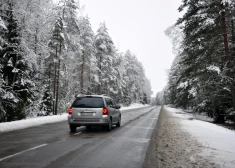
x=139 y=25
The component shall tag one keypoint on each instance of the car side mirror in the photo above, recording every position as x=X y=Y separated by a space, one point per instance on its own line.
x=118 y=106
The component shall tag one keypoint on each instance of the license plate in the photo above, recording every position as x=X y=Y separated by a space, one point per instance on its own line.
x=86 y=114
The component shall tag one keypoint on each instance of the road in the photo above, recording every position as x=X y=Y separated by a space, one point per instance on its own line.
x=53 y=146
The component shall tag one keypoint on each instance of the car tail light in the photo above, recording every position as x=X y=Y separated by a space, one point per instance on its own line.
x=105 y=111
x=70 y=110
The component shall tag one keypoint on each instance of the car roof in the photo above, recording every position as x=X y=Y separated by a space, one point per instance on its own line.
x=104 y=96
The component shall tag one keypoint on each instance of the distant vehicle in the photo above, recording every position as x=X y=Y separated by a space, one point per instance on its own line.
x=94 y=110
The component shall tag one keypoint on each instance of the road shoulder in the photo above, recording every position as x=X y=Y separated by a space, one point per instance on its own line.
x=172 y=146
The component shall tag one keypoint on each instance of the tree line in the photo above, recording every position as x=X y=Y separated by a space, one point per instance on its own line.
x=202 y=76
x=49 y=53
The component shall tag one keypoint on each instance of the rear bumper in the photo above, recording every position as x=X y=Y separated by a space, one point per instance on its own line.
x=88 y=121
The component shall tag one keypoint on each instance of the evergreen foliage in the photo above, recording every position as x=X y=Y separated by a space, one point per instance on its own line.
x=202 y=74
x=49 y=53
x=16 y=70
x=105 y=58
x=46 y=104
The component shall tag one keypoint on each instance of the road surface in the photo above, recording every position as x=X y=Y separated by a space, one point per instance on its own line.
x=53 y=146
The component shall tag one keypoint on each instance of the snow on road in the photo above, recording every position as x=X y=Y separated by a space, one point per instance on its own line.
x=21 y=124
x=218 y=142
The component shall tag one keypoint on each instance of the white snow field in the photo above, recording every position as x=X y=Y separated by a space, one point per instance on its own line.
x=30 y=122
x=218 y=142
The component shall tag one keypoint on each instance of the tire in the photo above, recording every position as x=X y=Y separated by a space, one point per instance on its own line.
x=109 y=126
x=73 y=128
x=88 y=128
x=119 y=122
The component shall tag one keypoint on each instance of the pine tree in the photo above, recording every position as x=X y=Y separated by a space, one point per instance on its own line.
x=105 y=57
x=46 y=104
x=57 y=44
x=35 y=20
x=202 y=75
x=16 y=72
x=135 y=82
x=3 y=29
x=70 y=64
x=88 y=60
x=43 y=44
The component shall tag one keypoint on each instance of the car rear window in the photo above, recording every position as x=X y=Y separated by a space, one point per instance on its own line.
x=88 y=102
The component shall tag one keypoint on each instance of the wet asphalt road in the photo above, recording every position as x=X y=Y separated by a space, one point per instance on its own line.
x=53 y=146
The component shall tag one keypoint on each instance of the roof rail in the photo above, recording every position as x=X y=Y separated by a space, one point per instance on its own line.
x=77 y=95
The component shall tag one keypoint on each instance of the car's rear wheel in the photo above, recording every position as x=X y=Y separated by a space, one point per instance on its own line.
x=73 y=128
x=89 y=128
x=119 y=122
x=109 y=126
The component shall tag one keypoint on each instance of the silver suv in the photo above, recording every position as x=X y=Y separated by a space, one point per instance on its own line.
x=94 y=110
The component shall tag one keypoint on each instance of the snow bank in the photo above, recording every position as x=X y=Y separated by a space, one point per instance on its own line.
x=14 y=125
x=133 y=106
x=218 y=141
x=21 y=124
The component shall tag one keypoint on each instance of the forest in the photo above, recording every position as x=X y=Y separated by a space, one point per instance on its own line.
x=202 y=76
x=49 y=54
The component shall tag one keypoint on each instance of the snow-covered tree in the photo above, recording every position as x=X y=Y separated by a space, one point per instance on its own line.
x=135 y=86
x=35 y=19
x=46 y=106
x=70 y=74
x=57 y=44
x=16 y=71
x=3 y=29
x=105 y=57
x=202 y=75
x=49 y=53
x=88 y=60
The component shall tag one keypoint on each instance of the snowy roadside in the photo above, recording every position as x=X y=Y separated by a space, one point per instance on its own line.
x=30 y=122
x=218 y=142
x=172 y=146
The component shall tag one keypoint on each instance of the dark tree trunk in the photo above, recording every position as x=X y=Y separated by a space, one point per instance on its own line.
x=58 y=81
x=54 y=85
x=227 y=54
x=233 y=54
x=57 y=88
x=99 y=86
x=49 y=76
x=82 y=71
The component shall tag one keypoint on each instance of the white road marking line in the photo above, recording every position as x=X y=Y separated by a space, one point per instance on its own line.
x=139 y=127
x=142 y=140
x=138 y=140
x=77 y=133
x=10 y=156
x=150 y=118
